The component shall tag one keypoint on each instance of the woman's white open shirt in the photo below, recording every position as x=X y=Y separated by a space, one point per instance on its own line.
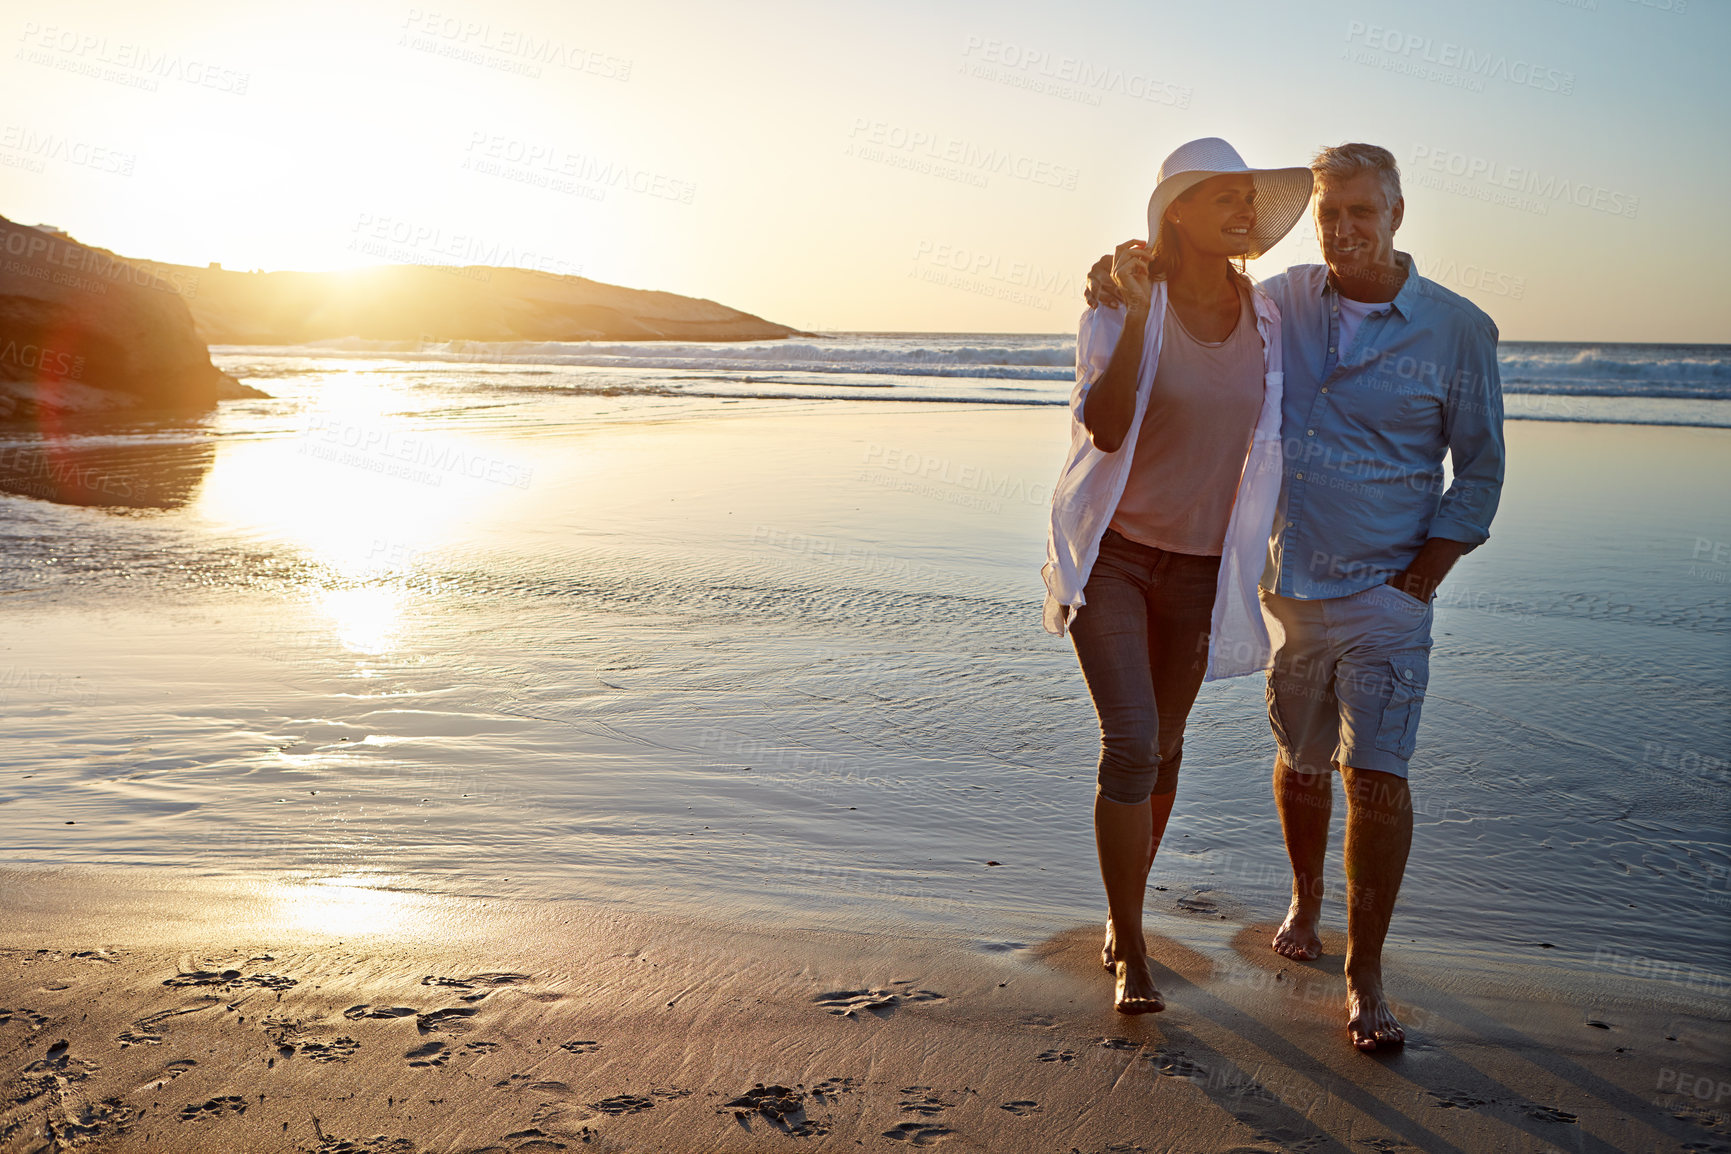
x=1092 y=481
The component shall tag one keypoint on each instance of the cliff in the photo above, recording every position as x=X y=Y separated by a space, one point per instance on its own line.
x=84 y=332
x=437 y=302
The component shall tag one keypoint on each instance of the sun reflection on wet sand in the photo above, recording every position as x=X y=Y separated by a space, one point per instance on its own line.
x=368 y=619
x=363 y=492
x=344 y=905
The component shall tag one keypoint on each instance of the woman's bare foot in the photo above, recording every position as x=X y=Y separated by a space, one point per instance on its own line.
x=1369 y=1022
x=1297 y=937
x=1107 y=958
x=1135 y=992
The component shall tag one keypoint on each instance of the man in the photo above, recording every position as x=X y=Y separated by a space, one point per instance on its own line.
x=1386 y=373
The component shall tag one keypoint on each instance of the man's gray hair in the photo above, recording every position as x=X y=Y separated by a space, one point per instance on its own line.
x=1345 y=161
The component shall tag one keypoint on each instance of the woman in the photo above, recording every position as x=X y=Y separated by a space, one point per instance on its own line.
x=1160 y=519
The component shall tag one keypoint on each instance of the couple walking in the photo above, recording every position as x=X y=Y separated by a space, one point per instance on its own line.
x=1255 y=481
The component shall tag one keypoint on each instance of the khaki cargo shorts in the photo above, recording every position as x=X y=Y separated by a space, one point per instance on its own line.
x=1349 y=678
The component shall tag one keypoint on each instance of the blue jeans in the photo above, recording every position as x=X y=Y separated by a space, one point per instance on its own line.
x=1141 y=637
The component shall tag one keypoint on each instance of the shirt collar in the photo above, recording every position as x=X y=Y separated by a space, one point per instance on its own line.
x=1405 y=301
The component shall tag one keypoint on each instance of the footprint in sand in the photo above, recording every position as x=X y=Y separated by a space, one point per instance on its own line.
x=170 y=1072
x=1056 y=1056
x=580 y=1047
x=432 y=1054
x=232 y=979
x=1549 y=1114
x=94 y=1122
x=1176 y=1064
x=378 y=1144
x=30 y=1018
x=833 y=1088
x=1118 y=1043
x=354 y=1013
x=920 y=1100
x=337 y=1050
x=919 y=1133
x=453 y=1020
x=1456 y=1100
x=144 y=1032
x=473 y=980
x=227 y=1104
x=1021 y=1107
x=783 y=1106
x=622 y=1104
x=882 y=1003
x=536 y=1139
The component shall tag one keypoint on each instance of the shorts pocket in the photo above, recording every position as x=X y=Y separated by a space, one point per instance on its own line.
x=1409 y=673
x=1274 y=723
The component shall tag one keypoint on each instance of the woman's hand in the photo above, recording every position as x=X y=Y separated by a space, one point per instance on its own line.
x=1100 y=290
x=1130 y=275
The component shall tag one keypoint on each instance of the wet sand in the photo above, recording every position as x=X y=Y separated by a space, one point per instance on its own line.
x=709 y=668
x=183 y=1014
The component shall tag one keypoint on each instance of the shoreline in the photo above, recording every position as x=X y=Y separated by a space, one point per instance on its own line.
x=191 y=1016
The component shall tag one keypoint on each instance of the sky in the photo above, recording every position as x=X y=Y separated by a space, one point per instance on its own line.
x=878 y=166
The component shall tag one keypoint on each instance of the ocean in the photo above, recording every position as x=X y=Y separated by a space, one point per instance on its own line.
x=755 y=628
x=1542 y=380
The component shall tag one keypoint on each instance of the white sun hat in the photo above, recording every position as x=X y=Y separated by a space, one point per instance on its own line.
x=1281 y=193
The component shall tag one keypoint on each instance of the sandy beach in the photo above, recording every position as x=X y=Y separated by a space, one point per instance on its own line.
x=172 y=1014
x=671 y=746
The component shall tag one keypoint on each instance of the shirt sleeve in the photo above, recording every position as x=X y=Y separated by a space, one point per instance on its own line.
x=1475 y=438
x=1096 y=337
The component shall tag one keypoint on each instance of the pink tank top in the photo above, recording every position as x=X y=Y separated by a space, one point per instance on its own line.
x=1194 y=435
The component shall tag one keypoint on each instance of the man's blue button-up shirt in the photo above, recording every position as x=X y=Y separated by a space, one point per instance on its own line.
x=1365 y=430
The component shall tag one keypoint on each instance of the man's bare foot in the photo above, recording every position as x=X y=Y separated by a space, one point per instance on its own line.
x=1297 y=937
x=1107 y=958
x=1135 y=992
x=1369 y=1022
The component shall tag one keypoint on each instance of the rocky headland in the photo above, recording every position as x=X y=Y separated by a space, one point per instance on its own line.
x=84 y=332
x=415 y=302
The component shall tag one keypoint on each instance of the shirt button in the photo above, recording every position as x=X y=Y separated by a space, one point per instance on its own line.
x=1331 y=348
x=1300 y=476
x=1325 y=390
x=1310 y=432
